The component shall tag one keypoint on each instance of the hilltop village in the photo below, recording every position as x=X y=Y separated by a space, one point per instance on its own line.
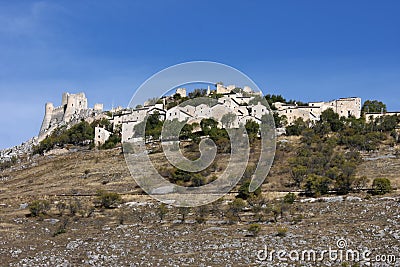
x=243 y=103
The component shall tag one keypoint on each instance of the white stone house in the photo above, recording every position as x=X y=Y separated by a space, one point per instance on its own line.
x=179 y=113
x=101 y=136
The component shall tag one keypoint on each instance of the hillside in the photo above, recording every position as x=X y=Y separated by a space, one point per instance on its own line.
x=132 y=234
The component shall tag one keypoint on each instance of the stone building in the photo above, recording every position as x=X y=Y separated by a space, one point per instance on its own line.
x=101 y=135
x=221 y=89
x=74 y=107
x=369 y=117
x=181 y=92
x=127 y=119
x=345 y=107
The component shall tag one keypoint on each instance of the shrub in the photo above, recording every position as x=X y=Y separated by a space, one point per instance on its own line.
x=316 y=185
x=254 y=229
x=235 y=207
x=244 y=191
x=78 y=134
x=108 y=199
x=112 y=141
x=74 y=206
x=39 y=207
x=197 y=180
x=184 y=211
x=162 y=211
x=61 y=206
x=281 y=231
x=201 y=214
x=381 y=186
x=289 y=198
x=62 y=228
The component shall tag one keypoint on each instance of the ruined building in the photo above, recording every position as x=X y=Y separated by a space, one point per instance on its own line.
x=74 y=107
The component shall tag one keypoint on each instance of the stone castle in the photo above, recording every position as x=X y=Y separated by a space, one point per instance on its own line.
x=74 y=107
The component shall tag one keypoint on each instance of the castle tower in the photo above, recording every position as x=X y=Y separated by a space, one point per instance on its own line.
x=75 y=103
x=64 y=99
x=181 y=92
x=98 y=107
x=49 y=107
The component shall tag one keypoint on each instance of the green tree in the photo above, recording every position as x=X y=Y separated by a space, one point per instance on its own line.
x=207 y=125
x=271 y=99
x=79 y=134
x=154 y=126
x=381 y=186
x=316 y=185
x=197 y=180
x=332 y=119
x=186 y=132
x=228 y=119
x=252 y=129
x=299 y=172
x=244 y=191
x=177 y=96
x=387 y=123
x=280 y=121
x=198 y=93
x=373 y=106
x=298 y=126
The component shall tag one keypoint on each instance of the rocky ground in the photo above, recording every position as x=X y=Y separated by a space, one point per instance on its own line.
x=104 y=240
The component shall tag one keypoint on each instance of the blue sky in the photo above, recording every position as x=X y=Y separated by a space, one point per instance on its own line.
x=306 y=50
